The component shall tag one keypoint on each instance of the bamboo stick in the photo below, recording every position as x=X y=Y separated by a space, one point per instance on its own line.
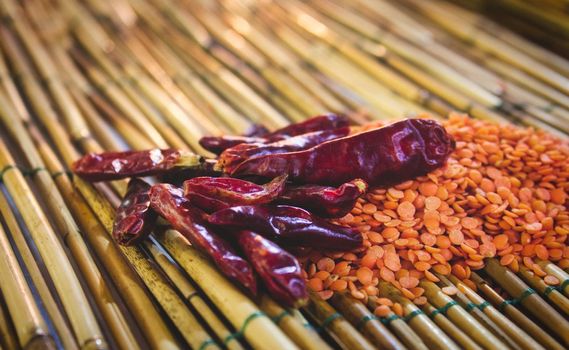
x=431 y=334
x=11 y=91
x=516 y=315
x=490 y=44
x=521 y=338
x=61 y=326
x=68 y=229
x=333 y=323
x=59 y=267
x=460 y=337
x=241 y=312
x=130 y=286
x=8 y=339
x=558 y=272
x=47 y=71
x=550 y=293
x=363 y=320
x=28 y=322
x=214 y=68
x=462 y=318
x=531 y=301
x=292 y=326
x=400 y=328
x=478 y=314
x=166 y=296
x=193 y=297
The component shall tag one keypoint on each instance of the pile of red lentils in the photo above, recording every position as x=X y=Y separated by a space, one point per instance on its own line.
x=503 y=194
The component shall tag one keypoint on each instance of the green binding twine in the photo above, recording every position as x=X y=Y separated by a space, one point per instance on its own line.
x=526 y=293
x=241 y=331
x=443 y=310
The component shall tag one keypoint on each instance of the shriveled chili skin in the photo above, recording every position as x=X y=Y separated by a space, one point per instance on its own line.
x=134 y=218
x=232 y=157
x=327 y=121
x=288 y=225
x=279 y=270
x=387 y=155
x=324 y=201
x=177 y=175
x=218 y=144
x=169 y=202
x=235 y=191
x=119 y=165
x=205 y=203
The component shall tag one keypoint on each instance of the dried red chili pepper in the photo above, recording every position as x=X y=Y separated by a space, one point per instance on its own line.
x=234 y=192
x=134 y=218
x=288 y=225
x=177 y=175
x=278 y=269
x=120 y=165
x=169 y=202
x=328 y=121
x=386 y=155
x=232 y=157
x=218 y=144
x=325 y=201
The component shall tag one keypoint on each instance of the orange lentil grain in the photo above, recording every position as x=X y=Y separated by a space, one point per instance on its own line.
x=449 y=290
x=406 y=210
x=382 y=311
x=551 y=280
x=338 y=285
x=398 y=309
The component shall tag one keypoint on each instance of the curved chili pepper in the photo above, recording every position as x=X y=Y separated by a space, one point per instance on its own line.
x=325 y=201
x=386 y=155
x=169 y=202
x=205 y=203
x=120 y=165
x=278 y=269
x=288 y=225
x=232 y=157
x=234 y=191
x=134 y=218
x=177 y=175
x=218 y=144
x=328 y=121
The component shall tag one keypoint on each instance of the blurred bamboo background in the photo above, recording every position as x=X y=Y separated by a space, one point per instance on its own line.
x=87 y=76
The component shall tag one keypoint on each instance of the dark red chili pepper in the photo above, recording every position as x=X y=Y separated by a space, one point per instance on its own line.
x=328 y=121
x=386 y=155
x=288 y=225
x=134 y=218
x=205 y=203
x=119 y=165
x=278 y=269
x=232 y=157
x=324 y=201
x=177 y=175
x=169 y=202
x=232 y=191
x=218 y=144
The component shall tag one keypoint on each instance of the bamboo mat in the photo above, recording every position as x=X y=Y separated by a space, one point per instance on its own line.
x=87 y=76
